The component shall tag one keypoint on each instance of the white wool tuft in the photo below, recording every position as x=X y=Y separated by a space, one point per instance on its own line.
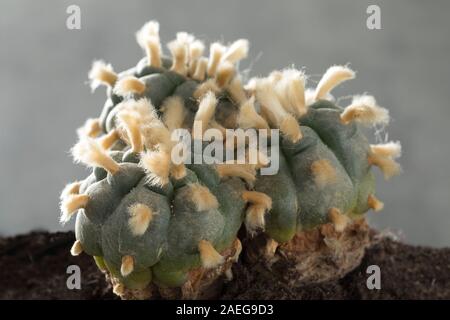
x=339 y=220
x=101 y=73
x=209 y=256
x=135 y=116
x=206 y=110
x=153 y=51
x=391 y=149
x=267 y=97
x=216 y=51
x=202 y=89
x=200 y=69
x=258 y=198
x=71 y=204
x=90 y=152
x=119 y=289
x=364 y=109
x=140 y=218
x=291 y=129
x=270 y=248
x=260 y=204
x=91 y=128
x=249 y=118
x=173 y=112
x=202 y=197
x=185 y=38
x=143 y=107
x=255 y=219
x=293 y=85
x=374 y=203
x=151 y=29
x=76 y=249
x=178 y=171
x=324 y=173
x=69 y=189
x=387 y=165
x=237 y=250
x=243 y=171
x=179 y=52
x=157 y=166
x=196 y=50
x=331 y=78
x=129 y=85
x=273 y=110
x=127 y=266
x=236 y=90
x=236 y=51
x=106 y=141
x=225 y=72
x=156 y=135
x=130 y=121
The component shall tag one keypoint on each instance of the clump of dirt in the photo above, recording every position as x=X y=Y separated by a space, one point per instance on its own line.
x=34 y=267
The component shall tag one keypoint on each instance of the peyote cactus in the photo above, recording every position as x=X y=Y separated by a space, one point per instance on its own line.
x=163 y=229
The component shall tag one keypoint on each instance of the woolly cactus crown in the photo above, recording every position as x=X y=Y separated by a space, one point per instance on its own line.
x=153 y=224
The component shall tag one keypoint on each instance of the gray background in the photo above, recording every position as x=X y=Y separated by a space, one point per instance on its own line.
x=406 y=66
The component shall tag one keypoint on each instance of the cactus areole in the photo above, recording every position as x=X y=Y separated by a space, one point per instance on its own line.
x=158 y=228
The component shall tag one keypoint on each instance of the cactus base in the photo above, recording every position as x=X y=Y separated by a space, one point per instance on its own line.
x=314 y=256
x=201 y=283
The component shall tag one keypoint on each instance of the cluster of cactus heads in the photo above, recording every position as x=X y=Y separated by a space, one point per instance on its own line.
x=159 y=228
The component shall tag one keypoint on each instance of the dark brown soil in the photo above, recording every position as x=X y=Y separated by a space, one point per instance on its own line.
x=33 y=266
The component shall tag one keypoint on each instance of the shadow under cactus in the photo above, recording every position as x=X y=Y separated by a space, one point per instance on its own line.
x=36 y=269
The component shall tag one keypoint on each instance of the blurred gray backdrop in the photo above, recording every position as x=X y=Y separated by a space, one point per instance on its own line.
x=44 y=97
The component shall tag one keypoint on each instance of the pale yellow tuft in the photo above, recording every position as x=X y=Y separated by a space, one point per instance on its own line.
x=374 y=203
x=225 y=72
x=71 y=204
x=157 y=166
x=339 y=220
x=249 y=118
x=101 y=73
x=324 y=173
x=90 y=152
x=365 y=110
x=127 y=265
x=209 y=256
x=173 y=112
x=390 y=149
x=331 y=78
x=238 y=50
x=202 y=197
x=76 y=249
x=243 y=171
x=178 y=49
x=216 y=51
x=140 y=217
x=129 y=85
x=69 y=189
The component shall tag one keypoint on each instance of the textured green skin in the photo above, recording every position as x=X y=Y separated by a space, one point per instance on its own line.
x=169 y=246
x=168 y=249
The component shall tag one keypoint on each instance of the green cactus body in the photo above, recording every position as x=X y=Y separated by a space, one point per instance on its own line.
x=169 y=244
x=145 y=232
